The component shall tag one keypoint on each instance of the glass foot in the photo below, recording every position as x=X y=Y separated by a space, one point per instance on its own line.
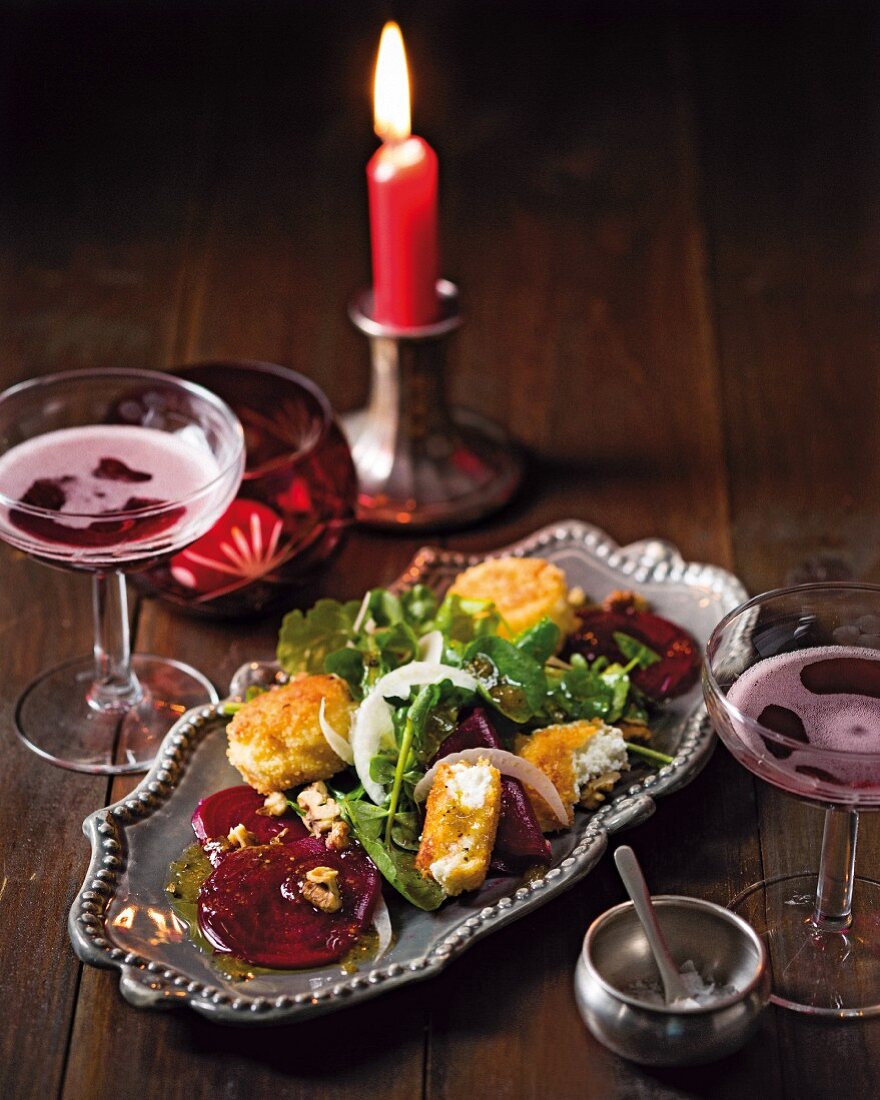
x=55 y=720
x=822 y=973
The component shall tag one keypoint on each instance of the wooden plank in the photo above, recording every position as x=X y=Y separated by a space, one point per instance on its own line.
x=601 y=257
x=789 y=131
x=93 y=205
x=294 y=319
x=43 y=852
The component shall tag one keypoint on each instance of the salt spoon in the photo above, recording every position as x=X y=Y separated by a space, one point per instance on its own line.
x=674 y=989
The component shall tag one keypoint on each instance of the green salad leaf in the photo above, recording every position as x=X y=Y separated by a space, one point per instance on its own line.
x=307 y=639
x=539 y=641
x=509 y=677
x=396 y=864
x=419 y=605
x=461 y=621
x=634 y=650
x=347 y=663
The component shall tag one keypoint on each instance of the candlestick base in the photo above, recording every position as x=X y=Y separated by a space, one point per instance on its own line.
x=420 y=464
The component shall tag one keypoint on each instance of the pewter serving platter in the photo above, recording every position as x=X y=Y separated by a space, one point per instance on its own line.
x=122 y=918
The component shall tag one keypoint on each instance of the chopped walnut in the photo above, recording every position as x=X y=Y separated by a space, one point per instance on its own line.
x=322 y=889
x=279 y=837
x=320 y=811
x=239 y=837
x=635 y=731
x=592 y=794
x=337 y=838
x=274 y=806
x=576 y=596
x=624 y=601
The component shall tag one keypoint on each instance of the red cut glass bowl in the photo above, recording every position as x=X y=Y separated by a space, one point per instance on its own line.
x=296 y=501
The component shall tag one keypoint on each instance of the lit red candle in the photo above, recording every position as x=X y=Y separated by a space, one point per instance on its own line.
x=402 y=178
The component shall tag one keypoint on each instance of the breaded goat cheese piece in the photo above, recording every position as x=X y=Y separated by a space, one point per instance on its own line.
x=524 y=590
x=275 y=740
x=461 y=821
x=582 y=759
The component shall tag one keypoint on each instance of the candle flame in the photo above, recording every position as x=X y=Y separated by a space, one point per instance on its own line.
x=391 y=117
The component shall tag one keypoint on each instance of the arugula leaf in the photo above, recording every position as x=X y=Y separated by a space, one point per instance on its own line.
x=539 y=641
x=634 y=650
x=396 y=645
x=397 y=865
x=406 y=830
x=509 y=678
x=382 y=768
x=306 y=640
x=617 y=678
x=442 y=721
x=383 y=607
x=349 y=664
x=419 y=605
x=581 y=693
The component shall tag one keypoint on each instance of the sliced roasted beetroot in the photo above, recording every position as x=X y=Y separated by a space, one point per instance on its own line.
x=474 y=731
x=252 y=907
x=679 y=663
x=519 y=842
x=218 y=813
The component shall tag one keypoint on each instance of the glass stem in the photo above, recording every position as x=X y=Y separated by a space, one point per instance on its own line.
x=836 y=871
x=115 y=688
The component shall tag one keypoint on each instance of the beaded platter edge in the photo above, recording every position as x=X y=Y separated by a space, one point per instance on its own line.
x=148 y=982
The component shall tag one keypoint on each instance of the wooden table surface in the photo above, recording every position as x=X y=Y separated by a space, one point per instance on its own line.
x=665 y=227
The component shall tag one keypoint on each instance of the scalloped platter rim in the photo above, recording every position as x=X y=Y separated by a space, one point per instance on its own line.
x=121 y=917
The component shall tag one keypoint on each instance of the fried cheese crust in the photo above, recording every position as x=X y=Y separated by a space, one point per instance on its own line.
x=275 y=740
x=559 y=751
x=461 y=821
x=524 y=590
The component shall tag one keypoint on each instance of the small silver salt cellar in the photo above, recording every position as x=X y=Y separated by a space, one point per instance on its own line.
x=616 y=976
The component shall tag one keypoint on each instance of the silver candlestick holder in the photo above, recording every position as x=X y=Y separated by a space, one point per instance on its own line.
x=421 y=464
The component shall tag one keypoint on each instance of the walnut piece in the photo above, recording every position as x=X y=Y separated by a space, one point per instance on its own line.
x=239 y=837
x=576 y=596
x=274 y=806
x=322 y=889
x=320 y=811
x=337 y=838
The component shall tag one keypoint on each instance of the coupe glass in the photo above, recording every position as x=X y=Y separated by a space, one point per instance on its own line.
x=808 y=722
x=107 y=472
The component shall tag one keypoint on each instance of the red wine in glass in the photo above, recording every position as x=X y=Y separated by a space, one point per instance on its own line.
x=792 y=683
x=826 y=699
x=108 y=472
x=107 y=487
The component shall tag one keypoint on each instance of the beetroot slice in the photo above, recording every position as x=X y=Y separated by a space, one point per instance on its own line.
x=679 y=663
x=475 y=731
x=218 y=813
x=251 y=906
x=519 y=843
